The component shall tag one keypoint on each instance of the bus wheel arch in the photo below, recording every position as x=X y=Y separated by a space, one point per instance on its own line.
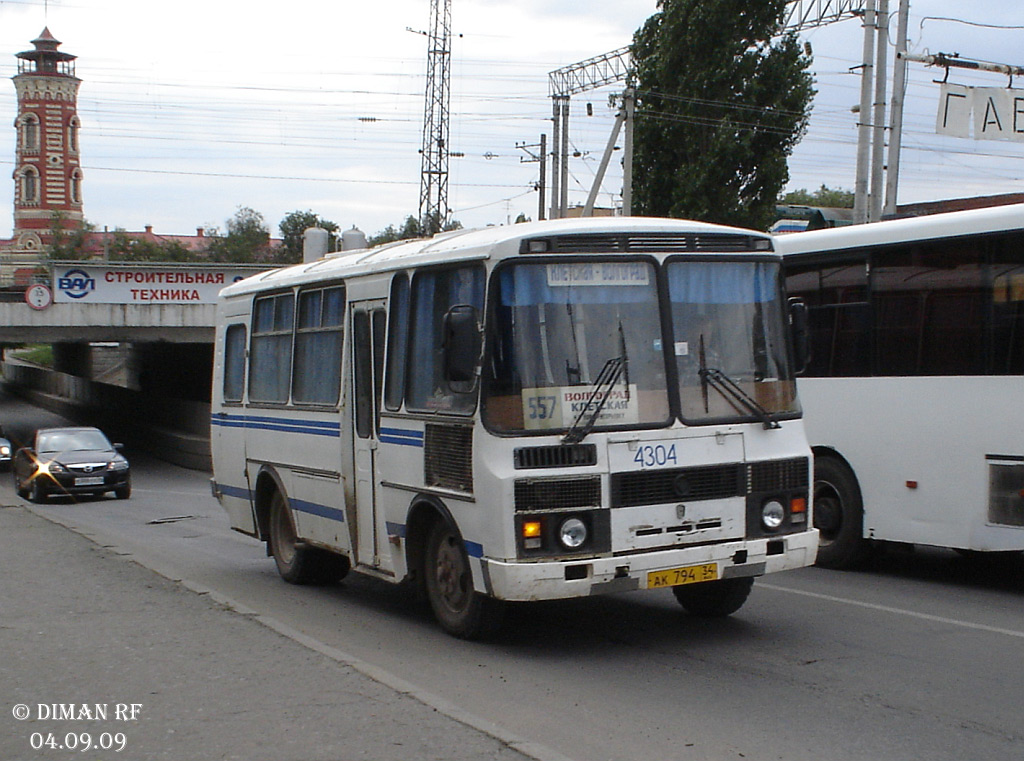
x=441 y=569
x=297 y=562
x=838 y=511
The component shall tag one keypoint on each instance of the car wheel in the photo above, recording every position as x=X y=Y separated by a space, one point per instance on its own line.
x=36 y=492
x=714 y=599
x=124 y=492
x=461 y=611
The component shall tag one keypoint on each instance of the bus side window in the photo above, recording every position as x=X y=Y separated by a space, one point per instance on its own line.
x=270 y=360
x=234 y=363
x=434 y=292
x=398 y=343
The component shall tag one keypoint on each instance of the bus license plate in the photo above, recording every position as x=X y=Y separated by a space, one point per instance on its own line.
x=690 y=574
x=89 y=481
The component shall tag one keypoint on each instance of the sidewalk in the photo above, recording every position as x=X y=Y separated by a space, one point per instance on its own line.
x=88 y=638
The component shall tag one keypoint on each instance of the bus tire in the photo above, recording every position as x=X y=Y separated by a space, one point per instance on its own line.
x=714 y=599
x=838 y=514
x=459 y=609
x=297 y=563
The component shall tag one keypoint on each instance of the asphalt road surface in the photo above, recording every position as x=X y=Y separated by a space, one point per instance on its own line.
x=919 y=656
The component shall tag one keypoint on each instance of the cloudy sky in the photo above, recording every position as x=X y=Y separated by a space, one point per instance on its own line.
x=191 y=109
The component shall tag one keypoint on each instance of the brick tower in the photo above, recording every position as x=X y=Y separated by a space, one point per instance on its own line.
x=47 y=174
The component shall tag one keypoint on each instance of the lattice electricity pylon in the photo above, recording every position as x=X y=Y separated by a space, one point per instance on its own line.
x=434 y=151
x=804 y=14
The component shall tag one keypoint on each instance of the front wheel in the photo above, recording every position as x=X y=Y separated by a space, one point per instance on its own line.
x=461 y=611
x=36 y=493
x=124 y=491
x=714 y=599
x=297 y=563
x=838 y=514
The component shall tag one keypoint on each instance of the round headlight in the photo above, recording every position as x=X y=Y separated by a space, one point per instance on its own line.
x=572 y=533
x=772 y=514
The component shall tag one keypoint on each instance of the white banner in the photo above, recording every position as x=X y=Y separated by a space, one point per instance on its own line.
x=997 y=113
x=127 y=284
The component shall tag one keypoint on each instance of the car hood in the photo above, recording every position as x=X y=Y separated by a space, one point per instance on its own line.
x=77 y=457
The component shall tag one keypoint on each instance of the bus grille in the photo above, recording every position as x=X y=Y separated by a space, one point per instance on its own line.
x=448 y=457
x=559 y=456
x=779 y=475
x=555 y=493
x=653 y=487
x=658 y=486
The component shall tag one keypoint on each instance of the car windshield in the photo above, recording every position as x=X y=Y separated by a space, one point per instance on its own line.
x=574 y=346
x=73 y=441
x=730 y=347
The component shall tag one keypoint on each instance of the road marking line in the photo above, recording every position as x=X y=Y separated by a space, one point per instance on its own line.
x=897 y=611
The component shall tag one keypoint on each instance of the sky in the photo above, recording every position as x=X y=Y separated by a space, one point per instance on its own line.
x=191 y=109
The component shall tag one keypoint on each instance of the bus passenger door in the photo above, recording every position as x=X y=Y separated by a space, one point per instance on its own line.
x=368 y=332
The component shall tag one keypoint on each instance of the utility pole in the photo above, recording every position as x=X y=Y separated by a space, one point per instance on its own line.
x=542 y=158
x=860 y=188
x=899 y=89
x=433 y=209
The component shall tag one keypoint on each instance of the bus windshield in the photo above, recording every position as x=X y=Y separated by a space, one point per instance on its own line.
x=575 y=346
x=571 y=341
x=730 y=347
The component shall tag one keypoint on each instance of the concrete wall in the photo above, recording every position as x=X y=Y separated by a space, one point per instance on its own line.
x=170 y=429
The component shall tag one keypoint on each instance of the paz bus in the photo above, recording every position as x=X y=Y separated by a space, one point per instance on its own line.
x=914 y=395
x=537 y=411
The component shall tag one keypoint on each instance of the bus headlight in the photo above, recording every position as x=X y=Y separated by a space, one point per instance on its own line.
x=772 y=514
x=572 y=533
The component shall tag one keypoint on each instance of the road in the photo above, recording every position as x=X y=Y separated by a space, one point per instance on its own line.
x=921 y=655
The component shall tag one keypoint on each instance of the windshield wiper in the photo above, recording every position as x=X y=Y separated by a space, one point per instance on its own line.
x=730 y=389
x=606 y=380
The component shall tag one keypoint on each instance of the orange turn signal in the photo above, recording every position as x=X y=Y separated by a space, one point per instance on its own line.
x=798 y=505
x=531 y=529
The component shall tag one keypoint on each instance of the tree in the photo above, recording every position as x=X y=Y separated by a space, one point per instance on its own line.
x=68 y=243
x=293 y=231
x=720 y=107
x=836 y=198
x=124 y=247
x=411 y=228
x=247 y=239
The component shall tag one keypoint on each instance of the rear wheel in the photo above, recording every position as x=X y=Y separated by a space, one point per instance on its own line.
x=297 y=563
x=461 y=611
x=838 y=514
x=714 y=599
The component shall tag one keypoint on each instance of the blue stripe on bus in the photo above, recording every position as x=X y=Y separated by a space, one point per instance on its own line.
x=313 y=508
x=473 y=549
x=395 y=529
x=233 y=491
x=402 y=436
x=284 y=425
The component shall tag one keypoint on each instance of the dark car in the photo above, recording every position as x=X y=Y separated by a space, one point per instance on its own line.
x=70 y=461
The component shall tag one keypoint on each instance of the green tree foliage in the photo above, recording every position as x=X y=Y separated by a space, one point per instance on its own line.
x=293 y=228
x=247 y=239
x=722 y=101
x=411 y=228
x=124 y=247
x=836 y=198
x=68 y=244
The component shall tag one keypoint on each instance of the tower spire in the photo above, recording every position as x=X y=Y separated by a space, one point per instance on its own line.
x=434 y=151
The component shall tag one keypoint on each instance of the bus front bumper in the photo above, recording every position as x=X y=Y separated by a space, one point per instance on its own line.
x=550 y=580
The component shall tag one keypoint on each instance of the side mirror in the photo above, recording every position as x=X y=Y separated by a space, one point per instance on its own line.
x=462 y=345
x=800 y=331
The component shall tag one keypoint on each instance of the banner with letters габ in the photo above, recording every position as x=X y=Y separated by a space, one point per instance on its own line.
x=993 y=113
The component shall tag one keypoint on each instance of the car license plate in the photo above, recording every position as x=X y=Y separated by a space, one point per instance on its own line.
x=89 y=481
x=690 y=574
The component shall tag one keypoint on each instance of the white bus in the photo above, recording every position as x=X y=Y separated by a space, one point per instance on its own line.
x=914 y=395
x=529 y=412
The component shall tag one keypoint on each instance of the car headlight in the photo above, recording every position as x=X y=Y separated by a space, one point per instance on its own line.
x=52 y=467
x=572 y=533
x=5 y=451
x=117 y=465
x=772 y=514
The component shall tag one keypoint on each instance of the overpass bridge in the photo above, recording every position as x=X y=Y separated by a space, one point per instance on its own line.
x=161 y=316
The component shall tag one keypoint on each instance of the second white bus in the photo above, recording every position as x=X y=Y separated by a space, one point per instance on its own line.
x=530 y=412
x=914 y=395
